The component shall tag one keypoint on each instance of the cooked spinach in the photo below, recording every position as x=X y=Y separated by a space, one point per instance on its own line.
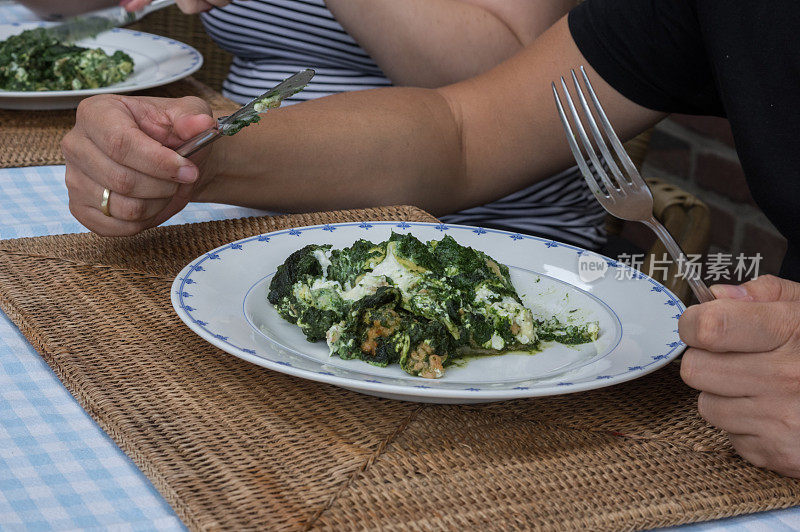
x=403 y=301
x=254 y=116
x=34 y=61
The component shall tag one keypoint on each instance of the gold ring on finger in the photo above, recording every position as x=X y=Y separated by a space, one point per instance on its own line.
x=104 y=203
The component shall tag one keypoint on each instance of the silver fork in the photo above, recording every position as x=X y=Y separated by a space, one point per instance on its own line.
x=625 y=196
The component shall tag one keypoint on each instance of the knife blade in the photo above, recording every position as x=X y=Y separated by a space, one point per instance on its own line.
x=94 y=22
x=272 y=98
x=246 y=114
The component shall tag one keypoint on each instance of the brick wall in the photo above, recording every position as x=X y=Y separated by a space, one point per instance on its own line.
x=697 y=154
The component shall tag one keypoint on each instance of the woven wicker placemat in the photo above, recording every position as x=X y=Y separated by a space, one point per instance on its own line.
x=32 y=138
x=234 y=446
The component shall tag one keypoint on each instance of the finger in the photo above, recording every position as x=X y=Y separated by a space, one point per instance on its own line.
x=764 y=451
x=191 y=7
x=97 y=222
x=134 y=5
x=727 y=374
x=127 y=208
x=171 y=121
x=86 y=192
x=114 y=176
x=111 y=125
x=751 y=448
x=176 y=204
x=741 y=326
x=765 y=288
x=731 y=414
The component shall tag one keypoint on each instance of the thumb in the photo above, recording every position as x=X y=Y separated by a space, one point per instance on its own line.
x=171 y=121
x=765 y=289
x=190 y=116
x=134 y=5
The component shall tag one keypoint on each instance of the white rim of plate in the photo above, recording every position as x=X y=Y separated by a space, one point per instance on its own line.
x=371 y=383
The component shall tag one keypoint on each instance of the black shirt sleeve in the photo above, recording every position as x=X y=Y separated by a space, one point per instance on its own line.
x=651 y=51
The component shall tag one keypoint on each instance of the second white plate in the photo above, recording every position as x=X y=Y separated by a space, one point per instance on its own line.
x=157 y=61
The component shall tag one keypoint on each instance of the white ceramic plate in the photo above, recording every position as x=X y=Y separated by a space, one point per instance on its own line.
x=221 y=296
x=157 y=61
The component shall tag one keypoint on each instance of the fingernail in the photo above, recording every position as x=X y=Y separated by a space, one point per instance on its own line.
x=187 y=174
x=731 y=291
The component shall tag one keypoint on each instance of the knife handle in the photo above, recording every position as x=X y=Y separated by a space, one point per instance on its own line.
x=198 y=142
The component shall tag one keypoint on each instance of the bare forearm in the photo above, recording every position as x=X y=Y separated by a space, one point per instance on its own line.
x=442 y=149
x=431 y=43
x=391 y=146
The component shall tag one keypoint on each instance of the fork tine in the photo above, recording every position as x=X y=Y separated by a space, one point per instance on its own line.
x=598 y=137
x=611 y=188
x=576 y=151
x=622 y=155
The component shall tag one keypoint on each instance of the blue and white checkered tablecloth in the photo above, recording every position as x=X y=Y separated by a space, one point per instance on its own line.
x=58 y=469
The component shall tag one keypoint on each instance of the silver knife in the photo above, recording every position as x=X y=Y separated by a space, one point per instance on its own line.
x=94 y=22
x=247 y=114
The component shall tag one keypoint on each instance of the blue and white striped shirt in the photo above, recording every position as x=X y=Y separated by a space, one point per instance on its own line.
x=273 y=39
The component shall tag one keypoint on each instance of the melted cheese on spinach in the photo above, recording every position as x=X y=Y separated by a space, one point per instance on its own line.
x=421 y=305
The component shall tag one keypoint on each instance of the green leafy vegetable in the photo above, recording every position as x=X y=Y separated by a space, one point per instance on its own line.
x=34 y=61
x=403 y=301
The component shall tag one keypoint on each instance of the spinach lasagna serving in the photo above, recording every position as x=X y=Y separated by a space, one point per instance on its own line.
x=34 y=61
x=420 y=305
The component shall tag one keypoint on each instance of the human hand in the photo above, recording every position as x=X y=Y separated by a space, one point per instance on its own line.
x=744 y=357
x=123 y=144
x=189 y=7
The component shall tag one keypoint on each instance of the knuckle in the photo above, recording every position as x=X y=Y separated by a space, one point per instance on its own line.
x=703 y=407
x=118 y=147
x=122 y=182
x=70 y=181
x=74 y=210
x=769 y=286
x=86 y=107
x=789 y=463
x=195 y=103
x=789 y=421
x=689 y=368
x=132 y=209
x=68 y=145
x=745 y=448
x=685 y=323
x=786 y=375
x=757 y=459
x=793 y=311
x=711 y=325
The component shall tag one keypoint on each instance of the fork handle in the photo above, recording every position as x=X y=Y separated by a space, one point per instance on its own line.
x=701 y=291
